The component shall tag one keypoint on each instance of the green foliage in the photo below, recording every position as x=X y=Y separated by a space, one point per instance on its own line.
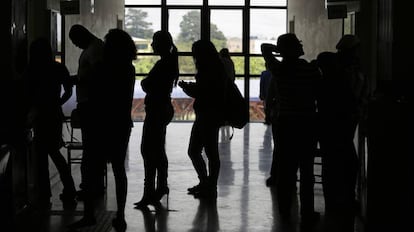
x=136 y=25
x=144 y=64
x=190 y=29
x=257 y=65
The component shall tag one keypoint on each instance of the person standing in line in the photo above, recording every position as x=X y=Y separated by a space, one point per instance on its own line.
x=265 y=78
x=159 y=110
x=118 y=84
x=293 y=84
x=87 y=78
x=208 y=92
x=341 y=103
x=46 y=77
x=231 y=73
x=90 y=73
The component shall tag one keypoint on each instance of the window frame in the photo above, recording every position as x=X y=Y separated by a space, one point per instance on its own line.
x=205 y=11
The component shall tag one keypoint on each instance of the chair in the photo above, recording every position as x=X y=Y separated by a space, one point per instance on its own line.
x=75 y=142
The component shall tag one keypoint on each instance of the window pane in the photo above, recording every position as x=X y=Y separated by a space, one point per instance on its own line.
x=256 y=105
x=186 y=65
x=265 y=26
x=142 y=2
x=257 y=65
x=143 y=64
x=226 y=2
x=185 y=28
x=238 y=64
x=141 y=23
x=226 y=29
x=59 y=32
x=184 y=2
x=268 y=2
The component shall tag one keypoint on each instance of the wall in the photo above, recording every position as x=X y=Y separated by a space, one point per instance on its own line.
x=312 y=26
x=105 y=16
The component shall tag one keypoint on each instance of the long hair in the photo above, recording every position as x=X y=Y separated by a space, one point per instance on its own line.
x=119 y=46
x=205 y=55
x=166 y=43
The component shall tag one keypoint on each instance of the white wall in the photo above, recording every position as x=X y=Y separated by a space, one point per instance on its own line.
x=312 y=26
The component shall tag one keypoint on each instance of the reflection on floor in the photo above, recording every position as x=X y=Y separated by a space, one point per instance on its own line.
x=244 y=203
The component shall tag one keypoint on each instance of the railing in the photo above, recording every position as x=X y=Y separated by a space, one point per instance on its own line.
x=183 y=110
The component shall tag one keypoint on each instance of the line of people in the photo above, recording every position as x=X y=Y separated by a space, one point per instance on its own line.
x=309 y=103
x=106 y=67
x=301 y=96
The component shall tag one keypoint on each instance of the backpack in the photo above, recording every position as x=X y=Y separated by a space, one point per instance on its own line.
x=236 y=113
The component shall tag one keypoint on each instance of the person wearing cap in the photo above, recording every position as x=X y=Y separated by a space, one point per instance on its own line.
x=293 y=88
x=343 y=93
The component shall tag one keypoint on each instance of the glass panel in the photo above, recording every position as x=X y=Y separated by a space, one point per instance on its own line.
x=59 y=31
x=257 y=65
x=268 y=2
x=141 y=23
x=184 y=2
x=185 y=28
x=143 y=64
x=226 y=2
x=238 y=64
x=256 y=105
x=349 y=24
x=142 y=2
x=186 y=65
x=265 y=26
x=182 y=103
x=226 y=29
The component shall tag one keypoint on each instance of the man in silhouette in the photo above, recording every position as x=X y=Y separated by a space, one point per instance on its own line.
x=89 y=72
x=343 y=93
x=293 y=85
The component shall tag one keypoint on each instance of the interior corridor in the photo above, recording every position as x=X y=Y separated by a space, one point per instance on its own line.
x=244 y=203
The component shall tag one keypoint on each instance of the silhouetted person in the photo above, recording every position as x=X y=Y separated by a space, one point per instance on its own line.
x=118 y=85
x=208 y=92
x=342 y=94
x=293 y=85
x=265 y=78
x=159 y=111
x=113 y=128
x=89 y=73
x=231 y=73
x=89 y=83
x=228 y=63
x=46 y=77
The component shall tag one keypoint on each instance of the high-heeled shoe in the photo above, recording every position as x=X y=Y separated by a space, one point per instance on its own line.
x=193 y=190
x=145 y=202
x=160 y=192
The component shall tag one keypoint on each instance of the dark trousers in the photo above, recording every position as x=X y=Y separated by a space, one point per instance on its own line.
x=339 y=170
x=153 y=146
x=43 y=154
x=295 y=147
x=88 y=131
x=205 y=135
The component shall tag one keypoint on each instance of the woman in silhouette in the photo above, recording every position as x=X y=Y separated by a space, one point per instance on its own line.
x=208 y=92
x=113 y=126
x=119 y=52
x=46 y=78
x=159 y=111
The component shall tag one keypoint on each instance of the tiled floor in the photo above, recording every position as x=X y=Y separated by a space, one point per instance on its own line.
x=244 y=203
